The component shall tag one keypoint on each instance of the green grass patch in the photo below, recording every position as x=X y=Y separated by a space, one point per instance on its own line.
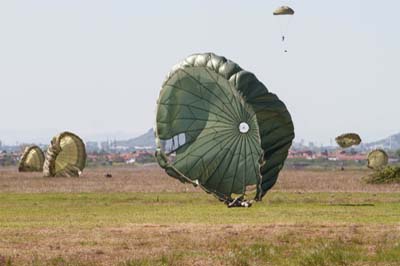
x=299 y=251
x=88 y=210
x=316 y=244
x=312 y=252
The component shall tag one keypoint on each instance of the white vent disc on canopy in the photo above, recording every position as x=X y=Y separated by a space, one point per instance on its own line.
x=244 y=127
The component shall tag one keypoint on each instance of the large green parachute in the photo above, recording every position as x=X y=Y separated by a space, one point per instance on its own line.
x=66 y=156
x=377 y=159
x=32 y=160
x=217 y=126
x=348 y=139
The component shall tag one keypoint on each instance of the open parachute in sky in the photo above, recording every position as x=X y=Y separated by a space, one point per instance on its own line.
x=377 y=159
x=283 y=15
x=65 y=156
x=32 y=160
x=347 y=140
x=283 y=10
x=217 y=126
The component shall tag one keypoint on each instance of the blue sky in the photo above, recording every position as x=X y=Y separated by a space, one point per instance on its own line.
x=95 y=67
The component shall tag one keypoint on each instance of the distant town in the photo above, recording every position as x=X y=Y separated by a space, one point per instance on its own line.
x=140 y=150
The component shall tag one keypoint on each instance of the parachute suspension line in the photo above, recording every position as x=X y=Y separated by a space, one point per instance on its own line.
x=284 y=22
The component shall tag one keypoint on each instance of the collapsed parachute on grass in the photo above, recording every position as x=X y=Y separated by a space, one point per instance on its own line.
x=347 y=140
x=377 y=159
x=32 y=160
x=217 y=126
x=66 y=156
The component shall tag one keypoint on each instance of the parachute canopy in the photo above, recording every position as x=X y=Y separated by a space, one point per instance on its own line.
x=377 y=159
x=347 y=140
x=66 y=156
x=283 y=10
x=218 y=126
x=32 y=160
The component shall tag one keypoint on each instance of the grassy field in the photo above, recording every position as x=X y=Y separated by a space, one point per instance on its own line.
x=142 y=217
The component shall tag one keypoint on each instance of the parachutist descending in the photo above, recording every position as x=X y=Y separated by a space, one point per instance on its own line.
x=284 y=13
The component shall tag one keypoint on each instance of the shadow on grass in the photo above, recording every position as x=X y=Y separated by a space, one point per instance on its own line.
x=353 y=204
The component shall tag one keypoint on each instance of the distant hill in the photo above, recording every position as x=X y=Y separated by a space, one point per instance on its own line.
x=145 y=140
x=148 y=140
x=390 y=143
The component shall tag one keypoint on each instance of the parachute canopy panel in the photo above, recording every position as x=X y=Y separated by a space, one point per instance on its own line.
x=32 y=160
x=283 y=10
x=347 y=140
x=219 y=127
x=377 y=159
x=66 y=156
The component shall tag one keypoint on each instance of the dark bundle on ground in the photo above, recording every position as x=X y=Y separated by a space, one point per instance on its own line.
x=388 y=174
x=4 y=261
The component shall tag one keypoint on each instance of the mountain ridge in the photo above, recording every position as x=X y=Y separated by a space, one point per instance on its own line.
x=391 y=142
x=147 y=139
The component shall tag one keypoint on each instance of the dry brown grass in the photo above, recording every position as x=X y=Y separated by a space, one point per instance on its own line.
x=124 y=179
x=199 y=244
x=152 y=178
x=329 y=181
x=182 y=244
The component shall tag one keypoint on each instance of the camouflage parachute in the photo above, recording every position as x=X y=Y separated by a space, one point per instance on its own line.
x=377 y=159
x=66 y=156
x=283 y=10
x=217 y=126
x=32 y=160
x=347 y=140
